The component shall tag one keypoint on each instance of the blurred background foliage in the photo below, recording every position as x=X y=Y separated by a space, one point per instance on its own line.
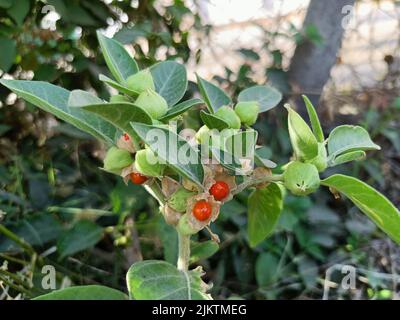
x=57 y=208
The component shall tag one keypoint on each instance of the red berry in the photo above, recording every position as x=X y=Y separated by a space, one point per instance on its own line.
x=220 y=190
x=202 y=210
x=138 y=178
x=126 y=137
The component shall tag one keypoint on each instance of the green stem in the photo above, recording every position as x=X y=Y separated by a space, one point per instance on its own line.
x=15 y=287
x=254 y=182
x=22 y=243
x=15 y=278
x=13 y=259
x=155 y=190
x=184 y=251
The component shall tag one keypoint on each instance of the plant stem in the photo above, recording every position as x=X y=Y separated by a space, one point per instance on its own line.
x=21 y=242
x=254 y=182
x=184 y=251
x=15 y=287
x=155 y=190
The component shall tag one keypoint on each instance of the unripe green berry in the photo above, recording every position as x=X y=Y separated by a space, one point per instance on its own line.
x=301 y=178
x=153 y=103
x=203 y=134
x=178 y=200
x=119 y=98
x=229 y=116
x=147 y=163
x=321 y=160
x=117 y=159
x=247 y=111
x=184 y=226
x=141 y=81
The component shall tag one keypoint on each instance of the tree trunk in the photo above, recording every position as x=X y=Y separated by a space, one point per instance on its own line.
x=311 y=64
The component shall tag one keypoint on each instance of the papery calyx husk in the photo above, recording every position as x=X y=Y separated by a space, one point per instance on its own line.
x=215 y=207
x=261 y=173
x=171 y=216
x=125 y=143
x=216 y=173
x=147 y=163
x=169 y=186
x=227 y=114
x=321 y=160
x=185 y=227
x=301 y=178
x=178 y=200
x=119 y=98
x=153 y=103
x=141 y=81
x=247 y=111
x=117 y=159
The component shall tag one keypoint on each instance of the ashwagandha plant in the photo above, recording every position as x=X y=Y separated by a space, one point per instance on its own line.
x=191 y=174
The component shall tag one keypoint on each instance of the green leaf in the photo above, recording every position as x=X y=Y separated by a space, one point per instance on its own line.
x=180 y=108
x=347 y=157
x=202 y=250
x=170 y=80
x=266 y=269
x=213 y=122
x=5 y=4
x=264 y=207
x=19 y=10
x=159 y=280
x=213 y=96
x=80 y=98
x=348 y=138
x=308 y=271
x=121 y=88
x=172 y=149
x=375 y=205
x=121 y=115
x=315 y=124
x=8 y=49
x=169 y=240
x=261 y=158
x=118 y=60
x=266 y=96
x=83 y=235
x=304 y=143
x=92 y=292
x=54 y=99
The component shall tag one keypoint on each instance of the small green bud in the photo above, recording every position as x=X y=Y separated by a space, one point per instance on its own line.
x=321 y=160
x=147 y=163
x=117 y=159
x=304 y=143
x=141 y=81
x=178 y=200
x=229 y=116
x=184 y=226
x=119 y=98
x=153 y=103
x=301 y=178
x=157 y=122
x=247 y=111
x=203 y=134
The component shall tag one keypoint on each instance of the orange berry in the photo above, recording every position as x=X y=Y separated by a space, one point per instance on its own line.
x=138 y=178
x=202 y=210
x=220 y=190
